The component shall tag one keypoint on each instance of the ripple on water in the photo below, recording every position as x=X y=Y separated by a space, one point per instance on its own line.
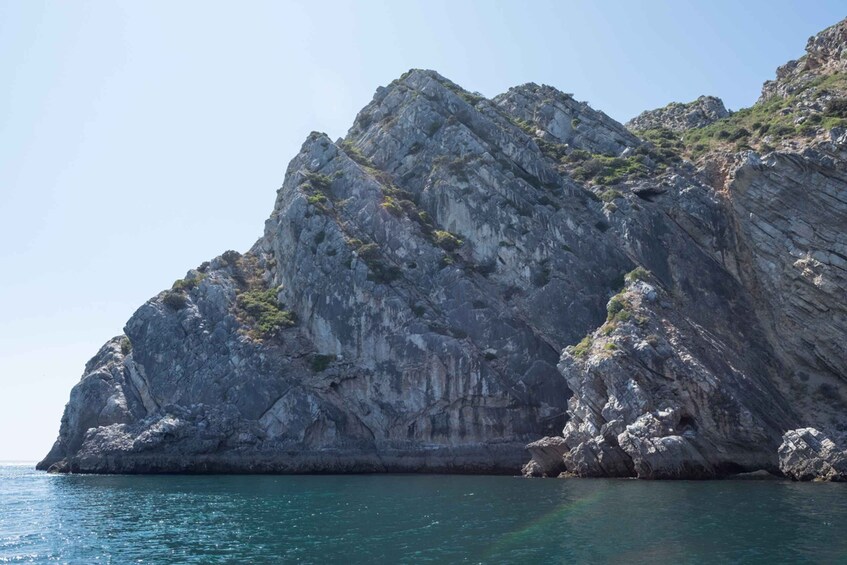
x=402 y=518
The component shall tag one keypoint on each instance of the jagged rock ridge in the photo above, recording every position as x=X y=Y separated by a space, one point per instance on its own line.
x=679 y=117
x=418 y=298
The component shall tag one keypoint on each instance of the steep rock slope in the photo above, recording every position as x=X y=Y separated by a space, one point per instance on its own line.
x=676 y=390
x=417 y=261
x=419 y=281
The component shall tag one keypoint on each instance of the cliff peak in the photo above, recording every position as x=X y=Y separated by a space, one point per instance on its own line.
x=826 y=54
x=680 y=117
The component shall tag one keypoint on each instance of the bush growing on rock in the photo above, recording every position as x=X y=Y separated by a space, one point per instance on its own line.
x=446 y=240
x=637 y=274
x=261 y=310
x=581 y=349
x=185 y=285
x=380 y=271
x=175 y=300
x=231 y=257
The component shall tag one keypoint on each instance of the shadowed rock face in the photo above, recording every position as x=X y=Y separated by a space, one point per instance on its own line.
x=415 y=299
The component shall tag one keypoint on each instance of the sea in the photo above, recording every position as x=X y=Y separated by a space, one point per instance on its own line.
x=414 y=519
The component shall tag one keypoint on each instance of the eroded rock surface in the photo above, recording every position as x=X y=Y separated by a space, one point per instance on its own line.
x=806 y=454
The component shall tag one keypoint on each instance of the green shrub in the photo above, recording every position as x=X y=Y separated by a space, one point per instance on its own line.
x=471 y=97
x=126 y=345
x=316 y=199
x=610 y=195
x=318 y=181
x=556 y=151
x=581 y=349
x=774 y=117
x=782 y=130
x=609 y=346
x=606 y=170
x=622 y=316
x=392 y=206
x=368 y=252
x=263 y=313
x=836 y=108
x=578 y=155
x=637 y=274
x=446 y=240
x=355 y=153
x=528 y=127
x=175 y=300
x=185 y=285
x=617 y=310
x=615 y=305
x=231 y=257
x=379 y=271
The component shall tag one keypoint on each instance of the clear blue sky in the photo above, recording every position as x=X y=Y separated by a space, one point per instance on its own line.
x=142 y=138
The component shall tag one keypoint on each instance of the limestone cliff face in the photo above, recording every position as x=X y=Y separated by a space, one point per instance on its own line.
x=421 y=295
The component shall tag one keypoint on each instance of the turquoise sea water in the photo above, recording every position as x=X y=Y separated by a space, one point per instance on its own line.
x=414 y=518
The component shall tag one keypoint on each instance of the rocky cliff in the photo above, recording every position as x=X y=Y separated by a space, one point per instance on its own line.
x=460 y=277
x=678 y=117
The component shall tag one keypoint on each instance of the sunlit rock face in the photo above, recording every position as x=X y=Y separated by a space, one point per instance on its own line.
x=678 y=117
x=460 y=277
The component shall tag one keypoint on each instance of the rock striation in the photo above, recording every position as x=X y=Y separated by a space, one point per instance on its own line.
x=807 y=454
x=460 y=280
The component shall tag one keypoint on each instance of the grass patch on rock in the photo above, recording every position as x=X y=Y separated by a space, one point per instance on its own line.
x=262 y=313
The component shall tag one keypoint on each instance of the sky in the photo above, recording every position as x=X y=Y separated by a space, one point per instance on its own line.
x=139 y=139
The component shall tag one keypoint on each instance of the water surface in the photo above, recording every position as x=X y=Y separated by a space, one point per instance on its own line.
x=414 y=518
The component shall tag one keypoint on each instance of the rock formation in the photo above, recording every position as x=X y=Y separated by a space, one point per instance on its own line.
x=678 y=117
x=421 y=295
x=807 y=454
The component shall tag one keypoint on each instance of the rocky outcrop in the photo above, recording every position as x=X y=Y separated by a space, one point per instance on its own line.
x=556 y=116
x=807 y=454
x=772 y=227
x=423 y=339
x=547 y=457
x=678 y=117
x=656 y=397
x=460 y=277
x=826 y=55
